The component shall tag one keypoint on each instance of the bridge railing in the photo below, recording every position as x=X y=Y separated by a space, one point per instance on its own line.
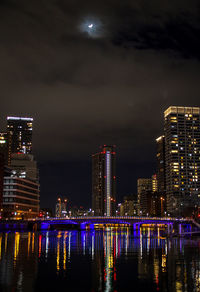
x=135 y=218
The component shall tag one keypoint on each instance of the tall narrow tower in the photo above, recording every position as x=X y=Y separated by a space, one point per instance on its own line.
x=182 y=153
x=104 y=181
x=160 y=155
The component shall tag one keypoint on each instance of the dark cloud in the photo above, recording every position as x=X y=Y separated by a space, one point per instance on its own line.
x=83 y=91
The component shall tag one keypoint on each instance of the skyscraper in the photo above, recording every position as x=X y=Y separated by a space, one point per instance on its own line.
x=20 y=129
x=104 y=181
x=21 y=189
x=182 y=153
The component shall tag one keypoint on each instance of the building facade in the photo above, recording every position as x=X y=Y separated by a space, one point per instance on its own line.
x=144 y=186
x=20 y=129
x=182 y=156
x=129 y=206
x=104 y=181
x=5 y=147
x=21 y=198
x=160 y=157
x=24 y=166
x=1 y=180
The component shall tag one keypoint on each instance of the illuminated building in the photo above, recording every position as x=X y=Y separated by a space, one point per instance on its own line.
x=21 y=198
x=24 y=166
x=20 y=129
x=61 y=208
x=144 y=185
x=182 y=153
x=104 y=182
x=161 y=179
x=129 y=206
x=154 y=183
x=150 y=201
x=1 y=180
x=5 y=147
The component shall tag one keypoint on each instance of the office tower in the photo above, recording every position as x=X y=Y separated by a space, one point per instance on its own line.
x=104 y=181
x=20 y=129
x=160 y=141
x=182 y=147
x=5 y=147
x=21 y=198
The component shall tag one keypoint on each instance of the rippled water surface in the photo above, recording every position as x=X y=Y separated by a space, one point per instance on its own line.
x=109 y=260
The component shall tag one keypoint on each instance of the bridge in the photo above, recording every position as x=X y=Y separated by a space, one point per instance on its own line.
x=181 y=225
x=83 y=223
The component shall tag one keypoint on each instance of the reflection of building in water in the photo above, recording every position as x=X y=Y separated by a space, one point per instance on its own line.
x=152 y=256
x=104 y=265
x=181 y=269
x=167 y=264
x=174 y=268
x=16 y=269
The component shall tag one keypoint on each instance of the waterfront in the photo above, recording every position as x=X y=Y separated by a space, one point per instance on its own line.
x=100 y=260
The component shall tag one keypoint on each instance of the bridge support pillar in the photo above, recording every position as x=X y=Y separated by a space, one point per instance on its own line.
x=136 y=229
x=45 y=226
x=179 y=229
x=83 y=226
x=169 y=229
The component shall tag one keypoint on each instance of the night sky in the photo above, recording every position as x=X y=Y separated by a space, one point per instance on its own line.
x=92 y=73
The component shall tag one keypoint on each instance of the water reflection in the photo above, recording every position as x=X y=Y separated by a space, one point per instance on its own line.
x=106 y=260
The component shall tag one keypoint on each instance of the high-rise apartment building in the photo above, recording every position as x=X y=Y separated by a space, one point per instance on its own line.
x=182 y=153
x=160 y=155
x=20 y=129
x=104 y=181
x=21 y=184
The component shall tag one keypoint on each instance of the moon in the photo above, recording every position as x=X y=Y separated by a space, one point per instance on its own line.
x=93 y=26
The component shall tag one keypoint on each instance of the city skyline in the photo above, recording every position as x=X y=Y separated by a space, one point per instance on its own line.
x=100 y=145
x=88 y=85
x=163 y=176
